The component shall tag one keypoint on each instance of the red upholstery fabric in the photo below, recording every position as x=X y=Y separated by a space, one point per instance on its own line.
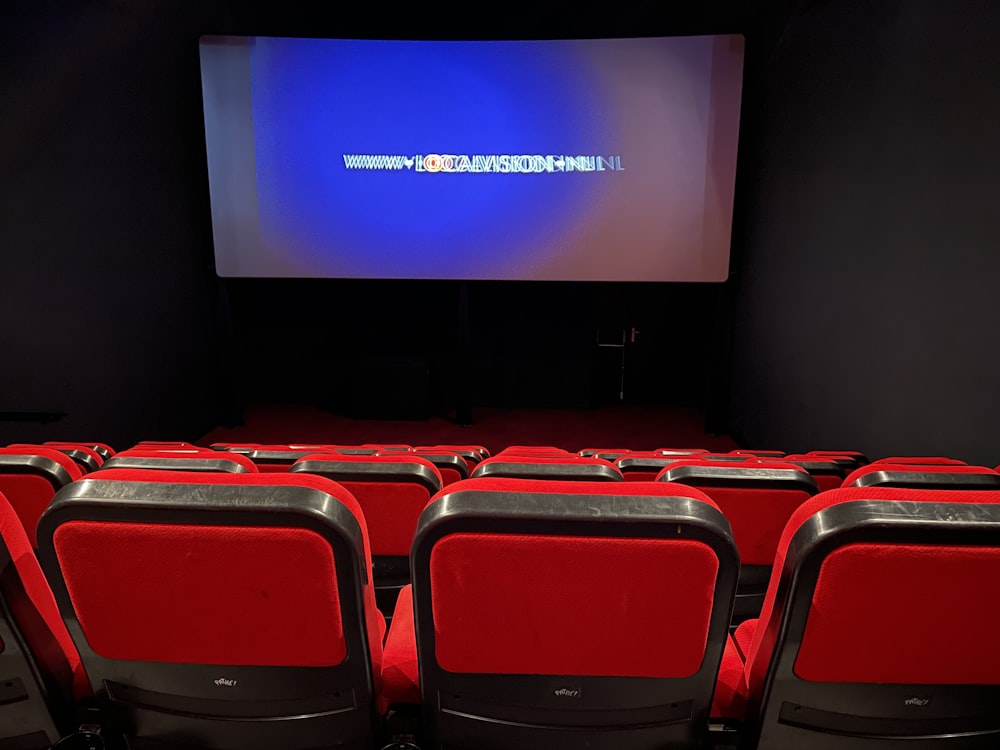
x=730 y=698
x=284 y=480
x=744 y=637
x=758 y=658
x=922 y=468
x=449 y=475
x=30 y=495
x=65 y=666
x=203 y=594
x=400 y=671
x=496 y=598
x=480 y=450
x=527 y=450
x=757 y=518
x=392 y=510
x=827 y=482
x=903 y=614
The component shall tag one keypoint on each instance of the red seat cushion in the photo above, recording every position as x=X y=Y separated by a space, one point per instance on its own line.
x=30 y=494
x=64 y=665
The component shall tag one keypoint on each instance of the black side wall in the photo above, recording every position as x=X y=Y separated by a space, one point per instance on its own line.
x=107 y=303
x=869 y=311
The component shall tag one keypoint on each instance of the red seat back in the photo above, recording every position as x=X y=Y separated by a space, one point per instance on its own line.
x=37 y=655
x=525 y=597
x=878 y=607
x=231 y=579
x=30 y=477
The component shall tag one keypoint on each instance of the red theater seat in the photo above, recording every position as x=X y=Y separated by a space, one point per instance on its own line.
x=104 y=450
x=645 y=466
x=856 y=456
x=538 y=623
x=759 y=453
x=453 y=467
x=392 y=491
x=828 y=471
x=928 y=477
x=86 y=457
x=279 y=458
x=30 y=478
x=757 y=498
x=219 y=461
x=569 y=468
x=879 y=626
x=37 y=658
x=608 y=454
x=472 y=454
x=219 y=610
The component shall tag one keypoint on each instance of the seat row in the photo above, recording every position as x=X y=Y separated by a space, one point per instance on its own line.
x=757 y=495
x=224 y=610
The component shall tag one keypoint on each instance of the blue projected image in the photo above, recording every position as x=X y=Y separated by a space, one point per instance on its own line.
x=387 y=159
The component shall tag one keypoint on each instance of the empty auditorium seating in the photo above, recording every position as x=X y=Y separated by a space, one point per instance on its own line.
x=472 y=453
x=279 y=458
x=104 y=450
x=245 y=448
x=569 y=468
x=538 y=623
x=453 y=467
x=37 y=656
x=856 y=456
x=644 y=466
x=758 y=453
x=608 y=454
x=219 y=610
x=680 y=451
x=234 y=463
x=879 y=627
x=531 y=451
x=30 y=477
x=928 y=476
x=757 y=498
x=828 y=471
x=392 y=490
x=86 y=457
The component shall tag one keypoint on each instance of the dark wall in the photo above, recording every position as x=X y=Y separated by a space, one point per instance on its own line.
x=107 y=303
x=870 y=303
